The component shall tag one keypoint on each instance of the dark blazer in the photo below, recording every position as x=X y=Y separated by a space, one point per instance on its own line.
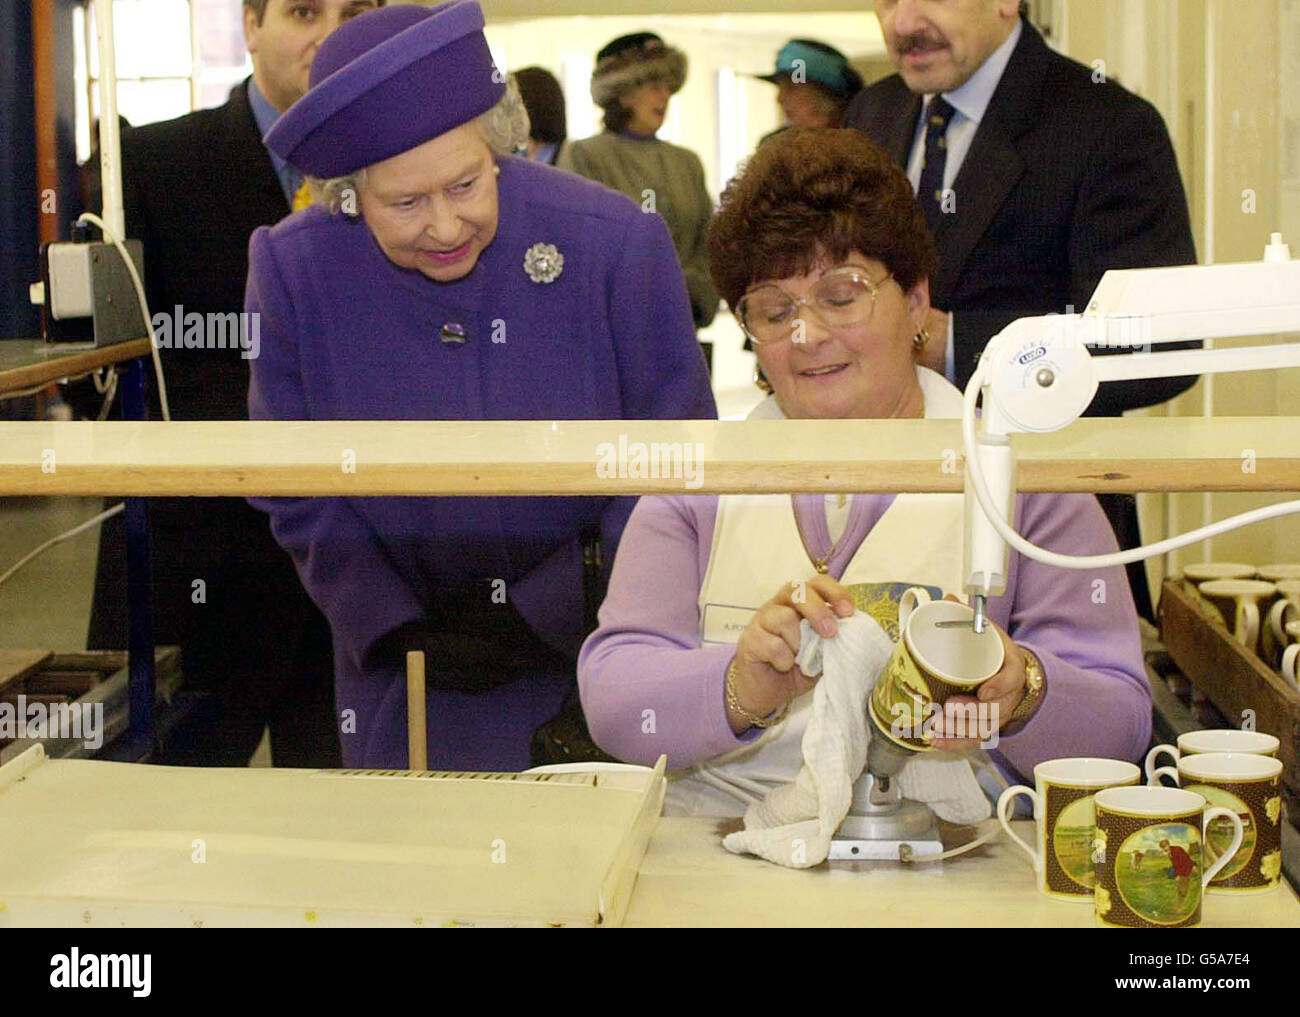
x=194 y=189
x=1065 y=178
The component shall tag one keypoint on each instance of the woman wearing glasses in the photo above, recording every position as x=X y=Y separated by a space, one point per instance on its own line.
x=822 y=253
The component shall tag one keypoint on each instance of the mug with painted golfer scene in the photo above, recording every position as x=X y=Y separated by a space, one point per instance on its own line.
x=938 y=655
x=1150 y=859
x=1064 y=819
x=1250 y=786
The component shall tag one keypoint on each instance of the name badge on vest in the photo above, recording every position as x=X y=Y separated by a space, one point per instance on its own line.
x=723 y=623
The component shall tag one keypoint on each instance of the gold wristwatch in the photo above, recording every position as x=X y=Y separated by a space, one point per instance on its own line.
x=1035 y=687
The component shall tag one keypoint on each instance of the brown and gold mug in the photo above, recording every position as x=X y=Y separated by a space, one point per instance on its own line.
x=1238 y=603
x=1279 y=571
x=938 y=655
x=1284 y=611
x=1064 y=819
x=1250 y=786
x=1214 y=739
x=1289 y=667
x=1149 y=856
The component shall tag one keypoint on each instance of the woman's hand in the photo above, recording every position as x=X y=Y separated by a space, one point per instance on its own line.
x=1003 y=691
x=766 y=675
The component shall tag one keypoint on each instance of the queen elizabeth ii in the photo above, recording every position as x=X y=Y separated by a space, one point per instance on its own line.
x=440 y=277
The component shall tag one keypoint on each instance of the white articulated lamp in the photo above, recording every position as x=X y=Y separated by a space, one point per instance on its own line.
x=1037 y=375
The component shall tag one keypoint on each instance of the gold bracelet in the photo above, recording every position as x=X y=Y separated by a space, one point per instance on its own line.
x=775 y=717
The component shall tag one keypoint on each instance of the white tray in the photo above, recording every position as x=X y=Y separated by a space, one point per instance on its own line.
x=90 y=843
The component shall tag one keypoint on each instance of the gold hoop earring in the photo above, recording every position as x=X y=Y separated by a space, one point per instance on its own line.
x=760 y=380
x=920 y=339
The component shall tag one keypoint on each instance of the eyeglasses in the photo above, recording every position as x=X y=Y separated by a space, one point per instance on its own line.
x=843 y=298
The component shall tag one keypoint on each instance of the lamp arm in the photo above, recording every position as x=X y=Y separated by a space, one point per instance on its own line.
x=995 y=517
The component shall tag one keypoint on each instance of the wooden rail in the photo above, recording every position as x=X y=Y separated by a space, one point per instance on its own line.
x=362 y=458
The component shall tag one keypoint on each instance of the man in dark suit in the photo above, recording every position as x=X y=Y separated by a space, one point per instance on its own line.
x=1036 y=174
x=253 y=645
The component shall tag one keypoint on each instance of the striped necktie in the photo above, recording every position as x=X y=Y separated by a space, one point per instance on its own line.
x=930 y=191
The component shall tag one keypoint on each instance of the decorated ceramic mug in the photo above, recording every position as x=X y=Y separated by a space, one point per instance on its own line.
x=1199 y=572
x=933 y=660
x=1290 y=664
x=1149 y=858
x=1064 y=820
x=1205 y=571
x=1279 y=571
x=1284 y=611
x=1250 y=786
x=1237 y=601
x=1215 y=739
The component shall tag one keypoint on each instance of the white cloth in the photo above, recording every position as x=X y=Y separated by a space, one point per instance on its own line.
x=793 y=825
x=756 y=547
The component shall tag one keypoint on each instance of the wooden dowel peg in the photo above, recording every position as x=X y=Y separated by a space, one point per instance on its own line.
x=417 y=738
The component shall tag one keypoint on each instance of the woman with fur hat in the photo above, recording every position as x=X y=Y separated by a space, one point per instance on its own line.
x=440 y=278
x=634 y=79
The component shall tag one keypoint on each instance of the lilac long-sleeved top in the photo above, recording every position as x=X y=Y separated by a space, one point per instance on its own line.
x=646 y=654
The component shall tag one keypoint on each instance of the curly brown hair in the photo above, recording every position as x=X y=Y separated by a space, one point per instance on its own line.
x=814 y=193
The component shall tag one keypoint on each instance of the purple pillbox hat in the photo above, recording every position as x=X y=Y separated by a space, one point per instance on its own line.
x=385 y=82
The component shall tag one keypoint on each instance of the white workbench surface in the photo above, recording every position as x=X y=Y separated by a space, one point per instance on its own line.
x=688 y=878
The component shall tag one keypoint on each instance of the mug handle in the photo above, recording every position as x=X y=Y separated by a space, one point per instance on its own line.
x=1164 y=771
x=1150 y=764
x=1007 y=798
x=1247 y=613
x=1277 y=620
x=1227 y=856
x=913 y=597
x=1289 y=662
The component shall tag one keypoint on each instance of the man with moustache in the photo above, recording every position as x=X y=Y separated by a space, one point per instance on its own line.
x=253 y=646
x=1036 y=174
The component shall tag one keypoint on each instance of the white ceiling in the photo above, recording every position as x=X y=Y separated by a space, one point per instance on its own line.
x=856 y=34
x=846 y=24
x=549 y=8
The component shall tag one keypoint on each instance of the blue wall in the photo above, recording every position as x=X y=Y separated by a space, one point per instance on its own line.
x=19 y=265
x=20 y=205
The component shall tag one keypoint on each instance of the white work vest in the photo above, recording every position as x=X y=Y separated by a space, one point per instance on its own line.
x=756 y=549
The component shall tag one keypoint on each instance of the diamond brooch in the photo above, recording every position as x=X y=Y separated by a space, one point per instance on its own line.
x=543 y=263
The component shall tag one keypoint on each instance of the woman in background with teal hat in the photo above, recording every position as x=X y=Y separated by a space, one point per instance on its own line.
x=815 y=83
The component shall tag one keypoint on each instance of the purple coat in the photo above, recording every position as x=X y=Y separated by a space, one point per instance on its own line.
x=647 y=653
x=347 y=335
